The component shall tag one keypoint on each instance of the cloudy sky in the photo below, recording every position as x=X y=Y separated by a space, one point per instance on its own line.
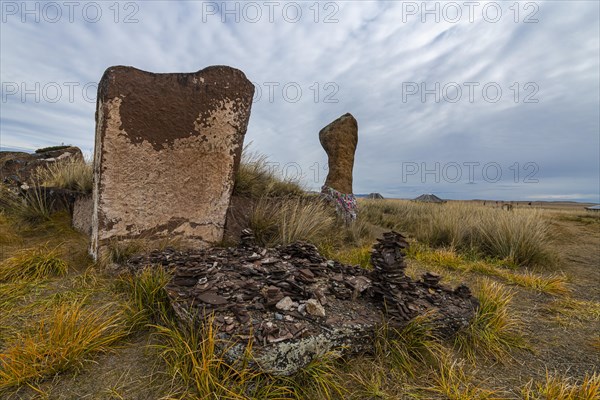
x=490 y=100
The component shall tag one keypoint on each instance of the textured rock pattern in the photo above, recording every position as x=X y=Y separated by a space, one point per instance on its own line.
x=296 y=305
x=167 y=147
x=83 y=208
x=339 y=139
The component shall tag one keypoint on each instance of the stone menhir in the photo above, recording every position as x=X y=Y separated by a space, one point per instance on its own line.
x=339 y=139
x=167 y=148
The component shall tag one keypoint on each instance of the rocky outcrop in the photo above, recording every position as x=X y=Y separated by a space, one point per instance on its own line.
x=296 y=305
x=17 y=168
x=167 y=148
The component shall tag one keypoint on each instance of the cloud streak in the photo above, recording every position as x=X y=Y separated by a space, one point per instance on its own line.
x=366 y=63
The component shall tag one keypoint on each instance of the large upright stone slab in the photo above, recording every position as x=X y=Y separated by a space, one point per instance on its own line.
x=339 y=140
x=167 y=148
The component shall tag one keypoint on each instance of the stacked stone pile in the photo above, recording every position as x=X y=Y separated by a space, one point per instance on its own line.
x=294 y=304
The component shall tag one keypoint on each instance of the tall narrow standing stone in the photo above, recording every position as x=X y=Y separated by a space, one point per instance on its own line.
x=339 y=139
x=167 y=148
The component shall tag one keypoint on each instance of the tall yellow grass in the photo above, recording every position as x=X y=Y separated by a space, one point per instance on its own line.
x=283 y=221
x=33 y=264
x=255 y=178
x=521 y=237
x=73 y=174
x=60 y=341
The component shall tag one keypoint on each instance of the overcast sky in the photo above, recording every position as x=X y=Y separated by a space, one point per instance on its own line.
x=491 y=100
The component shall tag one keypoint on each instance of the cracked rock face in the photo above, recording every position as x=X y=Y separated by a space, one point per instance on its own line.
x=167 y=148
x=295 y=305
x=339 y=139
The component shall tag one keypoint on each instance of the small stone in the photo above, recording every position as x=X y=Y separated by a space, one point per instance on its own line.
x=284 y=304
x=278 y=316
x=313 y=307
x=302 y=309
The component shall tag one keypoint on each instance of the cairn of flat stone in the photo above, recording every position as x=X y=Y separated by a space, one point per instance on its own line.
x=390 y=280
x=293 y=303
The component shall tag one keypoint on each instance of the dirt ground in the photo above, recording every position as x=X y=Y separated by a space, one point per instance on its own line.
x=565 y=346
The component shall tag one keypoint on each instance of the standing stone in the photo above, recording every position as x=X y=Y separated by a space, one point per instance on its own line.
x=167 y=148
x=339 y=139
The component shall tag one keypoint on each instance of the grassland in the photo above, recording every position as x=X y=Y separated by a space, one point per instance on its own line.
x=70 y=329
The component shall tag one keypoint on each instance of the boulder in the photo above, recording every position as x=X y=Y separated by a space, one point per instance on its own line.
x=295 y=305
x=167 y=148
x=17 y=168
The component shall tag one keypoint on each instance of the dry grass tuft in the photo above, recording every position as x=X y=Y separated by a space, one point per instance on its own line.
x=32 y=208
x=72 y=174
x=283 y=221
x=453 y=383
x=411 y=348
x=147 y=292
x=33 y=264
x=518 y=237
x=256 y=178
x=193 y=357
x=561 y=388
x=568 y=311
x=495 y=329
x=62 y=341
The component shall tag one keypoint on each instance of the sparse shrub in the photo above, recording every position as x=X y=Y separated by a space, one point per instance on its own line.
x=32 y=264
x=283 y=221
x=73 y=174
x=495 y=329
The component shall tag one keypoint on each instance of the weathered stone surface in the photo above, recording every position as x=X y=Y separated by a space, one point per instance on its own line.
x=83 y=208
x=17 y=168
x=332 y=305
x=339 y=139
x=167 y=147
